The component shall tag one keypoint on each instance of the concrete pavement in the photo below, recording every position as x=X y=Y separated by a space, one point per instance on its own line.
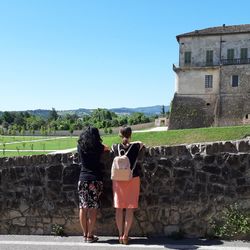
x=31 y=242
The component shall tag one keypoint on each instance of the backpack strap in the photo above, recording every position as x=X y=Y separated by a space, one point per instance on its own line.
x=119 y=151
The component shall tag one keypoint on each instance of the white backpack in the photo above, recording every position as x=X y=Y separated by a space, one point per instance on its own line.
x=121 y=170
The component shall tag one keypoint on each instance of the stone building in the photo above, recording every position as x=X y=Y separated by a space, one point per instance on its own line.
x=212 y=78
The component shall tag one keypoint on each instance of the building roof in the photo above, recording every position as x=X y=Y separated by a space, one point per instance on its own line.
x=219 y=30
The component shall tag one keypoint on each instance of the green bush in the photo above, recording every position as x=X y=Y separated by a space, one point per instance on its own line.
x=57 y=230
x=234 y=224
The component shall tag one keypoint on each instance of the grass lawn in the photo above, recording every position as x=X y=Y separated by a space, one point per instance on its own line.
x=12 y=154
x=7 y=139
x=171 y=137
x=186 y=136
x=53 y=144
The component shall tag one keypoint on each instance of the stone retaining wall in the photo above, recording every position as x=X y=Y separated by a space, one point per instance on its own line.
x=182 y=188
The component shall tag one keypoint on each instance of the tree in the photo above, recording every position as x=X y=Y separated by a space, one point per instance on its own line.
x=52 y=115
x=163 y=110
x=8 y=117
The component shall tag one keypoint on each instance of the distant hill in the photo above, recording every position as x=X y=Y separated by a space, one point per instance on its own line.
x=40 y=112
x=152 y=110
x=79 y=112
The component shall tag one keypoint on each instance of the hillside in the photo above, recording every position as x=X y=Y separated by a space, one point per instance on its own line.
x=148 y=111
x=152 y=110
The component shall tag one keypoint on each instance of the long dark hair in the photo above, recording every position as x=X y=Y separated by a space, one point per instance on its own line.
x=90 y=141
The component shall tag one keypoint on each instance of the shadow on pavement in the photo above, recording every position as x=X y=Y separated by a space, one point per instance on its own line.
x=168 y=243
x=191 y=243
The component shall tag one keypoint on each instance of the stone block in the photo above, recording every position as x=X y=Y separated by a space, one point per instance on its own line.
x=219 y=160
x=180 y=183
x=200 y=188
x=14 y=214
x=201 y=177
x=170 y=229
x=166 y=162
x=19 y=221
x=174 y=217
x=185 y=164
x=71 y=174
x=243 y=146
x=212 y=148
x=36 y=231
x=46 y=220
x=234 y=173
x=59 y=221
x=211 y=169
x=215 y=189
x=168 y=151
x=162 y=172
x=243 y=191
x=209 y=159
x=178 y=173
x=217 y=179
x=195 y=149
x=241 y=181
x=181 y=151
x=54 y=172
x=230 y=147
x=233 y=161
x=54 y=187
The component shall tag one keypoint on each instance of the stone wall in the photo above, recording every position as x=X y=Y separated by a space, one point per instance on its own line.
x=182 y=188
x=191 y=112
x=235 y=101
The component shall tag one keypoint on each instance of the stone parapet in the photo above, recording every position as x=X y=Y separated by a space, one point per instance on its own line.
x=182 y=188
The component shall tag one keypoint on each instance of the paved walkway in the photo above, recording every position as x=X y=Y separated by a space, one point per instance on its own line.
x=151 y=129
x=30 y=242
x=64 y=151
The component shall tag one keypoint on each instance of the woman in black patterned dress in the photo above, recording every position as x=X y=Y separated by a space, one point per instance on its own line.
x=90 y=185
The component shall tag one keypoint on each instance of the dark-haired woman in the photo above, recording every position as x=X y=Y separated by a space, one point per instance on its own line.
x=126 y=193
x=90 y=185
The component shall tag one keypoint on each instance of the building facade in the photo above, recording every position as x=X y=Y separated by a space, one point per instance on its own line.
x=212 y=78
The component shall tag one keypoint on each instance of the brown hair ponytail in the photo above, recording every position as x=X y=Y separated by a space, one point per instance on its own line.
x=125 y=133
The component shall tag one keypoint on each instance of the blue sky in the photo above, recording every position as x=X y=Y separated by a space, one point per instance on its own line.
x=98 y=53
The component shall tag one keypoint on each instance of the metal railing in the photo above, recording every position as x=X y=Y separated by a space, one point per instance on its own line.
x=235 y=61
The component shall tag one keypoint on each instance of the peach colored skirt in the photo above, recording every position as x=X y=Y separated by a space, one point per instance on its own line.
x=126 y=193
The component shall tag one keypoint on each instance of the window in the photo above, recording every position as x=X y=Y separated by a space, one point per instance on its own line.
x=230 y=54
x=235 y=80
x=187 y=57
x=208 y=81
x=209 y=57
x=243 y=53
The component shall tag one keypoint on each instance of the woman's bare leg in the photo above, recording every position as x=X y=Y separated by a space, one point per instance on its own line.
x=92 y=213
x=119 y=220
x=83 y=220
x=129 y=215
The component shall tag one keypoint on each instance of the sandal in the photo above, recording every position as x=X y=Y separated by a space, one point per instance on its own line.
x=120 y=240
x=125 y=240
x=92 y=239
x=85 y=237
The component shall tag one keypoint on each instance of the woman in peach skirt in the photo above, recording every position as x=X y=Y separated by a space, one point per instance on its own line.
x=126 y=193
